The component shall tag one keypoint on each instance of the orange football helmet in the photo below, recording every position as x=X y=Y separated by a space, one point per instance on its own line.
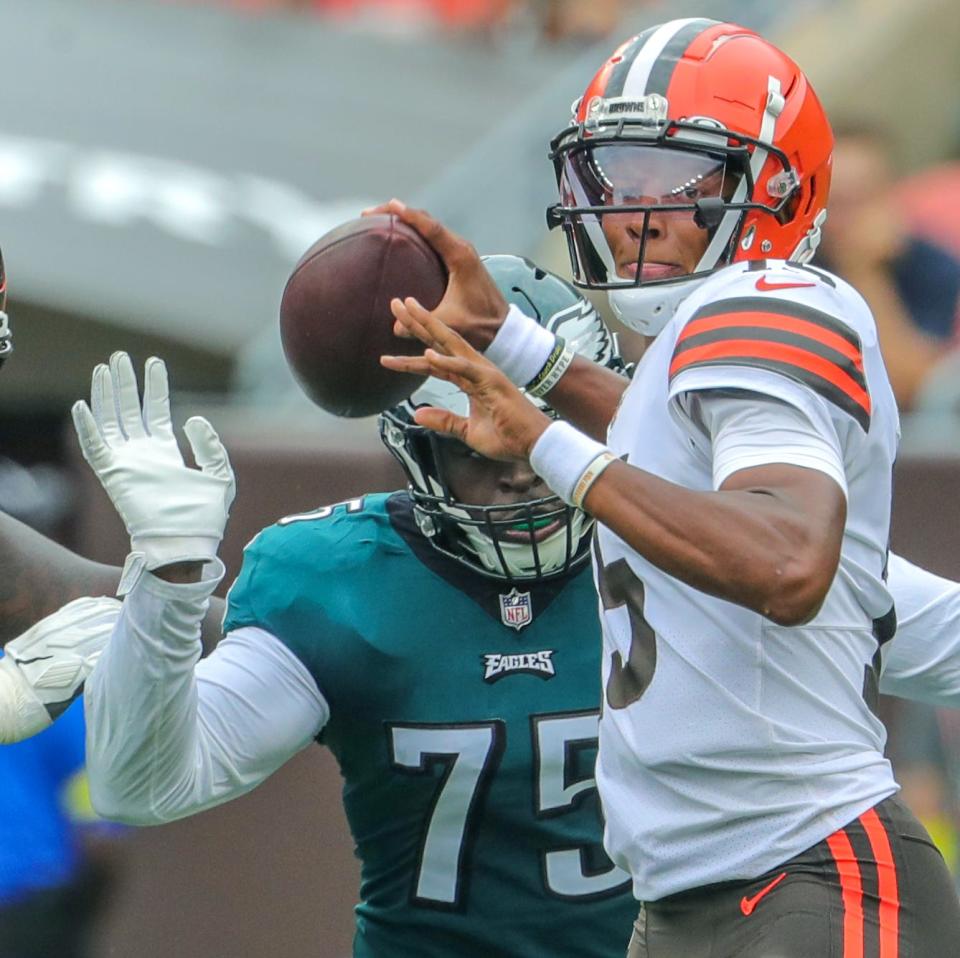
x=695 y=119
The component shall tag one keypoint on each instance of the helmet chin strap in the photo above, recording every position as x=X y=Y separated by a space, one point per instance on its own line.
x=811 y=240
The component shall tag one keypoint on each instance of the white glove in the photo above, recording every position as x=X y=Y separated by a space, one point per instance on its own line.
x=173 y=513
x=43 y=670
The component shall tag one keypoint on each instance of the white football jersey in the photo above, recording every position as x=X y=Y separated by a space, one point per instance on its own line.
x=729 y=744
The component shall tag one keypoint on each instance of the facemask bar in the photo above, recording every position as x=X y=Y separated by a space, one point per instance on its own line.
x=724 y=218
x=472 y=535
x=480 y=528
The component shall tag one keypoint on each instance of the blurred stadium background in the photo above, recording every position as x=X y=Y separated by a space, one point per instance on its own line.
x=162 y=167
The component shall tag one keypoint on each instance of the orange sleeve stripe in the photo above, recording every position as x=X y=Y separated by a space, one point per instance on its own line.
x=777 y=352
x=801 y=327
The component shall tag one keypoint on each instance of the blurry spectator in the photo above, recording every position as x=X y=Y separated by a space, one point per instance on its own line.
x=557 y=20
x=575 y=20
x=912 y=286
x=930 y=201
x=54 y=867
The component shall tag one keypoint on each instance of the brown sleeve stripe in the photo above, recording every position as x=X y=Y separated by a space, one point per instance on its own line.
x=826 y=357
x=779 y=307
x=799 y=364
x=740 y=323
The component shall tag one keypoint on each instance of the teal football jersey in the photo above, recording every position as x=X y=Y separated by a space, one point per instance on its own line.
x=463 y=714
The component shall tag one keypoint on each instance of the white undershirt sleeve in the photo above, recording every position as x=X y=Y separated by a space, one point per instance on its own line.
x=923 y=660
x=749 y=430
x=168 y=736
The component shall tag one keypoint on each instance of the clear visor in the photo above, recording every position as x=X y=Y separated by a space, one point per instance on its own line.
x=626 y=174
x=635 y=213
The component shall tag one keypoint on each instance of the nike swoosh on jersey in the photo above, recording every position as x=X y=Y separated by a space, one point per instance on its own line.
x=747 y=905
x=765 y=286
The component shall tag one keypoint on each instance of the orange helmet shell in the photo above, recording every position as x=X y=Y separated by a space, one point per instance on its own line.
x=725 y=72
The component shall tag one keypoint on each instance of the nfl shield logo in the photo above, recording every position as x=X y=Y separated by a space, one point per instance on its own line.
x=515 y=609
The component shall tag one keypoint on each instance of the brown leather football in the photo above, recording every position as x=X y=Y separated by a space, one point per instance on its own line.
x=335 y=319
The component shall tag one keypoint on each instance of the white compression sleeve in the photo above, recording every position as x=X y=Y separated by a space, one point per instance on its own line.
x=168 y=737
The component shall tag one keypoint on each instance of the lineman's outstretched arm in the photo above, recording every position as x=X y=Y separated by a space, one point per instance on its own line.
x=168 y=736
x=166 y=739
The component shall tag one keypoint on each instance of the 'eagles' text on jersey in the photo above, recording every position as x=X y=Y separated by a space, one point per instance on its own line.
x=467 y=746
x=729 y=744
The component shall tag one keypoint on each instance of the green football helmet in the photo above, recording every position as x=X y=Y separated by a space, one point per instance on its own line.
x=474 y=535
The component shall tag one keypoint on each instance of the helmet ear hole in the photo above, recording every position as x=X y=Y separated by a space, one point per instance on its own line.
x=813 y=192
x=789 y=210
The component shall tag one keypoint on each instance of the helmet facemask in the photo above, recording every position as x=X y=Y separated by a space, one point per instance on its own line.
x=693 y=172
x=521 y=541
x=694 y=175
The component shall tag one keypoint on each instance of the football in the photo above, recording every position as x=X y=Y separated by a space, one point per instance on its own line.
x=335 y=319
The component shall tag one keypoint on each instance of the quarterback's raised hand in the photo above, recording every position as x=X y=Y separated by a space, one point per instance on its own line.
x=503 y=423
x=472 y=304
x=173 y=513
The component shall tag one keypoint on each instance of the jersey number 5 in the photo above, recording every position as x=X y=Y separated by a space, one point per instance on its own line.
x=627 y=681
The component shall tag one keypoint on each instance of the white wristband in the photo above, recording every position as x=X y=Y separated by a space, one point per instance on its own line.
x=562 y=455
x=521 y=347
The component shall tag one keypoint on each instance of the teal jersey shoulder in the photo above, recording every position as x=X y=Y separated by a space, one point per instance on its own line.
x=464 y=718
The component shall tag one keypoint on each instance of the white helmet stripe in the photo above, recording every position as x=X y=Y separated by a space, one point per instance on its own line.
x=638 y=78
x=772 y=110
